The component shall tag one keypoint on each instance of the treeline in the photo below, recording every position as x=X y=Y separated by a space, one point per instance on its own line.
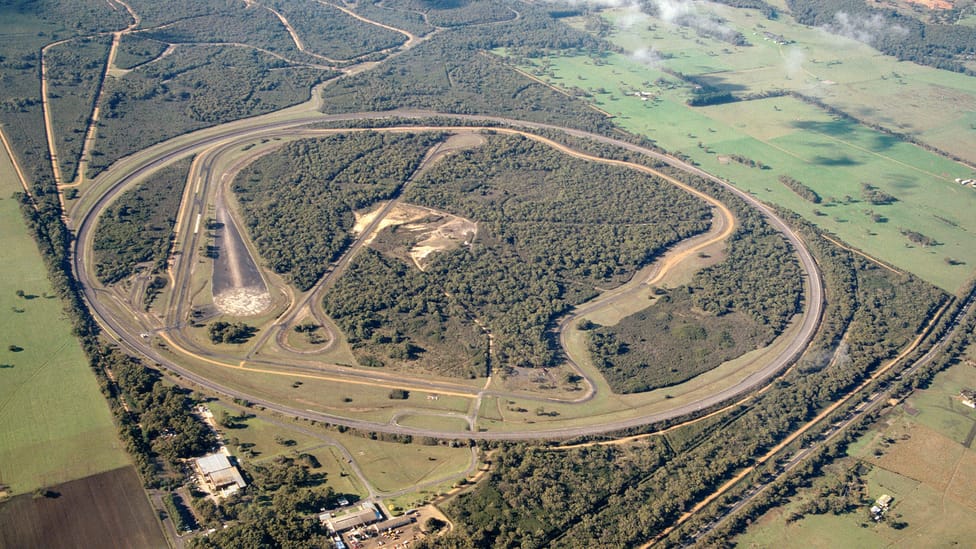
x=644 y=508
x=766 y=9
x=138 y=227
x=145 y=409
x=782 y=490
x=801 y=190
x=893 y=33
x=875 y=195
x=297 y=202
x=702 y=97
x=158 y=417
x=546 y=237
x=451 y=72
x=916 y=237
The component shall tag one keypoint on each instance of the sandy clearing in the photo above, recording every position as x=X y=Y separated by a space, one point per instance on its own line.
x=243 y=301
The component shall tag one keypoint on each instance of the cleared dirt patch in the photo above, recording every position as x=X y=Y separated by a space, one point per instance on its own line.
x=105 y=510
x=418 y=232
x=243 y=301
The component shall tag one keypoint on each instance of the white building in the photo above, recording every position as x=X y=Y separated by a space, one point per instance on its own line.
x=219 y=476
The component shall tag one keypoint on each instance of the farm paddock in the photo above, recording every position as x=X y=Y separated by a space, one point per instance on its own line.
x=105 y=510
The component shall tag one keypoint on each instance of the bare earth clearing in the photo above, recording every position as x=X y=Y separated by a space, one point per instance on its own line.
x=105 y=510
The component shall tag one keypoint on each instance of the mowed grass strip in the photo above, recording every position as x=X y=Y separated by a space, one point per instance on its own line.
x=54 y=424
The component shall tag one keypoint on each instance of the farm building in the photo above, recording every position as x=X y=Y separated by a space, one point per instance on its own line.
x=367 y=514
x=884 y=501
x=968 y=397
x=219 y=475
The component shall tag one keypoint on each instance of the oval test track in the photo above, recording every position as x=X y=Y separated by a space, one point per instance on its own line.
x=164 y=153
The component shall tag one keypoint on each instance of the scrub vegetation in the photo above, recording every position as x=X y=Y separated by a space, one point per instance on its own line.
x=298 y=202
x=547 y=238
x=137 y=230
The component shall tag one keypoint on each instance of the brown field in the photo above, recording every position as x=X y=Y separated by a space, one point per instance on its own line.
x=105 y=510
x=927 y=457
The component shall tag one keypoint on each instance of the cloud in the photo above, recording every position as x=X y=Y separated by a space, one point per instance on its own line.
x=646 y=56
x=793 y=60
x=866 y=29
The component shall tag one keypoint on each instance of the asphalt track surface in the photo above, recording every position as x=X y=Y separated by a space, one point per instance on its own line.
x=162 y=154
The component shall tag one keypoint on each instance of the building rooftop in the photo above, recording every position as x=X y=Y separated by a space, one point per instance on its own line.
x=213 y=463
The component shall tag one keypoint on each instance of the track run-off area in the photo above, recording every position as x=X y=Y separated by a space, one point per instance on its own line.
x=160 y=339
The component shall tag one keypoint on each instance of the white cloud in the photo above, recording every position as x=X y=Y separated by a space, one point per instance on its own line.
x=862 y=28
x=647 y=56
x=794 y=59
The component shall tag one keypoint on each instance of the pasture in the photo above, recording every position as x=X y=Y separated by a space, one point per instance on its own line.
x=54 y=424
x=108 y=510
x=915 y=454
x=833 y=156
x=847 y=74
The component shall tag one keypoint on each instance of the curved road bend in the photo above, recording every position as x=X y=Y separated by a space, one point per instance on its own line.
x=814 y=299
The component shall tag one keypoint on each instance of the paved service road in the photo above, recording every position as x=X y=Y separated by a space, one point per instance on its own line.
x=125 y=172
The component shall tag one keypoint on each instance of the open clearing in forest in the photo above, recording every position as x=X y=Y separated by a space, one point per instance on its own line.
x=108 y=510
x=832 y=156
x=54 y=424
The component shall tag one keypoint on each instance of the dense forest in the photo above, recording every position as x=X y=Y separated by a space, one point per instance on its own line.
x=298 y=201
x=193 y=88
x=547 y=238
x=451 y=72
x=893 y=33
x=138 y=226
x=696 y=459
x=329 y=32
x=455 y=13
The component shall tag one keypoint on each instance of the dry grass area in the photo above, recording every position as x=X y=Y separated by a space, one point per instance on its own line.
x=925 y=456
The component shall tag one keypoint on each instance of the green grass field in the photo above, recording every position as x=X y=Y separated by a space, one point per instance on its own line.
x=388 y=466
x=54 y=424
x=392 y=466
x=832 y=156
